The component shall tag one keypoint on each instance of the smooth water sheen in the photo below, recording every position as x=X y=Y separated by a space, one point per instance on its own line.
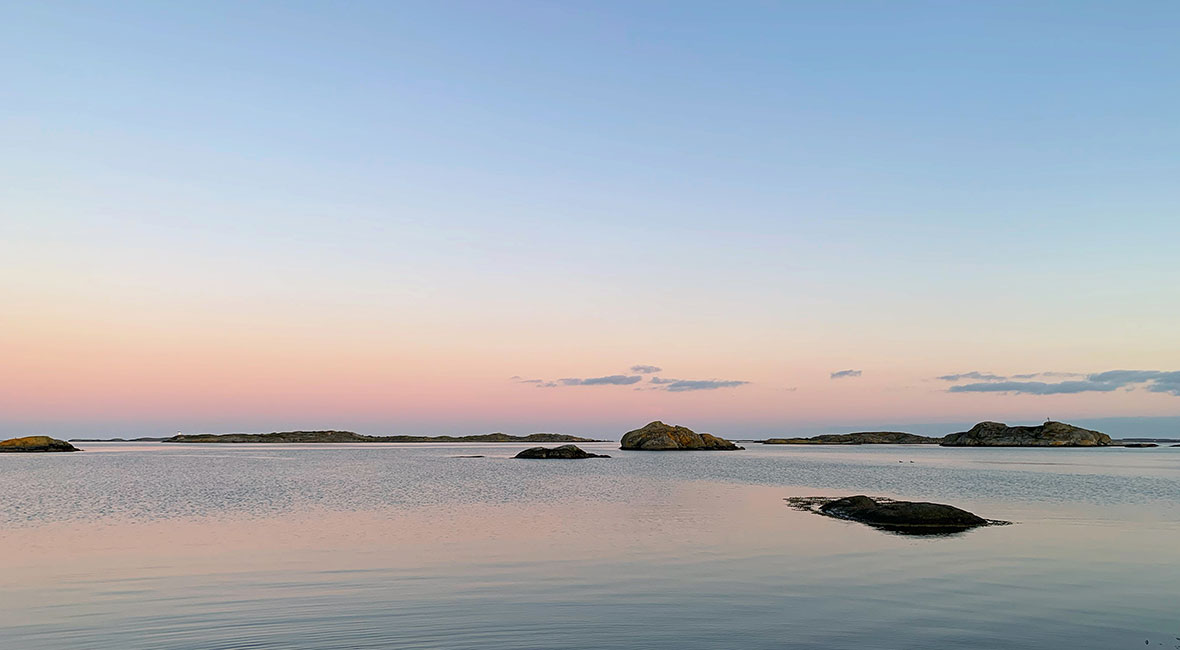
x=151 y=546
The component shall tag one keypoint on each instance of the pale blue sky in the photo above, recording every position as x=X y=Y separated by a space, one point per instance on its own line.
x=998 y=180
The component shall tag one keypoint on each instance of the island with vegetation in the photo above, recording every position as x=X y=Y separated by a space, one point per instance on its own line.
x=657 y=436
x=859 y=438
x=349 y=436
x=1049 y=434
x=35 y=444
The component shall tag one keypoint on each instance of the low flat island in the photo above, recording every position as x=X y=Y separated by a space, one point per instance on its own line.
x=860 y=438
x=349 y=436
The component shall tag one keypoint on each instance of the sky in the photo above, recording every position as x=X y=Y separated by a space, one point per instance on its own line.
x=460 y=217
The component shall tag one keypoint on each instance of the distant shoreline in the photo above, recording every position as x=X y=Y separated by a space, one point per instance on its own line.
x=349 y=436
x=991 y=434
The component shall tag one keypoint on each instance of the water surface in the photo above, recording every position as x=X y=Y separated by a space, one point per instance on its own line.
x=132 y=545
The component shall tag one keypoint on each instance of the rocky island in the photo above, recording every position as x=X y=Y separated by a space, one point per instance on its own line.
x=564 y=451
x=860 y=438
x=35 y=444
x=349 y=436
x=1049 y=434
x=657 y=436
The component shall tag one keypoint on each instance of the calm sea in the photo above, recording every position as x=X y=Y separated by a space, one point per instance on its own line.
x=204 y=547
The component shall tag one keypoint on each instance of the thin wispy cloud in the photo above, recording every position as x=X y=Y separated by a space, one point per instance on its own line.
x=1048 y=374
x=539 y=383
x=976 y=375
x=1036 y=387
x=609 y=380
x=1156 y=381
x=844 y=374
x=987 y=376
x=654 y=382
x=702 y=384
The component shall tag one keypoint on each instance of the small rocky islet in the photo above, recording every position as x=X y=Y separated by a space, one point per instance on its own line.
x=35 y=444
x=562 y=452
x=1049 y=434
x=906 y=517
x=657 y=436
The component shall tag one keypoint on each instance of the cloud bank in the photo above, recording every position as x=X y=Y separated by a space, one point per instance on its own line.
x=841 y=374
x=1156 y=381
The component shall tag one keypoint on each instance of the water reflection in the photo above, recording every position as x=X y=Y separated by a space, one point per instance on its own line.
x=316 y=548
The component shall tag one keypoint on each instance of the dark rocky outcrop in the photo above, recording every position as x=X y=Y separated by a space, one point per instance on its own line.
x=860 y=438
x=564 y=451
x=901 y=514
x=657 y=436
x=35 y=444
x=906 y=517
x=1049 y=434
x=348 y=436
x=1140 y=445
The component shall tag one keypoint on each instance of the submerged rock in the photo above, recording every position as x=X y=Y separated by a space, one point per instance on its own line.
x=859 y=438
x=33 y=444
x=657 y=436
x=1140 y=445
x=1049 y=434
x=564 y=451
